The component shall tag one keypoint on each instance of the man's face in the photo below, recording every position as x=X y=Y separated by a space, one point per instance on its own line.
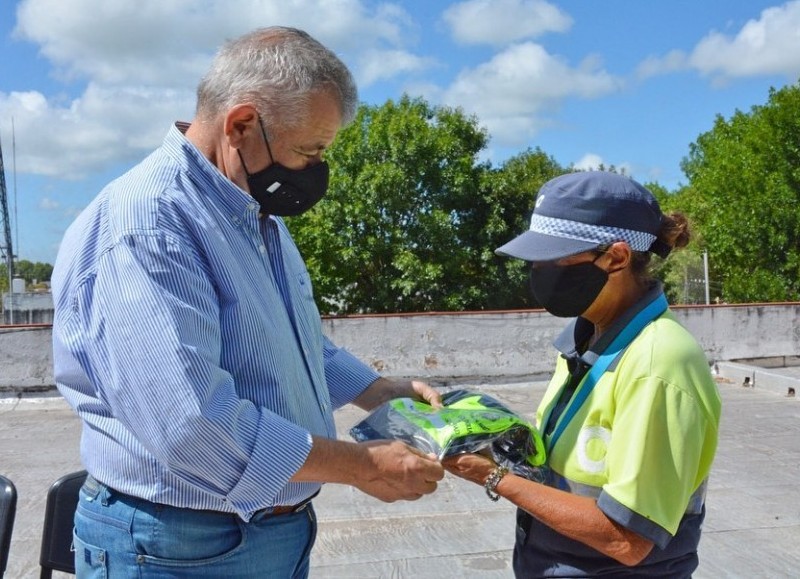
x=303 y=146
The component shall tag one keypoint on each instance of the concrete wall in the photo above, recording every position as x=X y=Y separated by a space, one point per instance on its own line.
x=27 y=308
x=451 y=345
x=746 y=331
x=460 y=346
x=762 y=377
x=26 y=358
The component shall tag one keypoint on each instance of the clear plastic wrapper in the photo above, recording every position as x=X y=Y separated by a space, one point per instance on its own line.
x=470 y=422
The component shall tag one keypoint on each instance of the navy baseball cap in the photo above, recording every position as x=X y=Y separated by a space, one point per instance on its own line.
x=582 y=211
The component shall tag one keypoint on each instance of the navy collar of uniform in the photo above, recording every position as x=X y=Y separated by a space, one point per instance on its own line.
x=580 y=330
x=237 y=203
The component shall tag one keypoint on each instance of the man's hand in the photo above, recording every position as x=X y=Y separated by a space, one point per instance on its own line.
x=423 y=391
x=389 y=470
x=382 y=390
x=398 y=471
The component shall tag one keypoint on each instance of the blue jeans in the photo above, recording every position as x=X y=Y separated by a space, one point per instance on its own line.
x=120 y=536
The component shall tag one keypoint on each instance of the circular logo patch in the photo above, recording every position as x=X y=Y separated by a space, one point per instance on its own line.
x=592 y=447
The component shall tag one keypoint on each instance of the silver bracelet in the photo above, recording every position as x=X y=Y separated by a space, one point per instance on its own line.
x=493 y=480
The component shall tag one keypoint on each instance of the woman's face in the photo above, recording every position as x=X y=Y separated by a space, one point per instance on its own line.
x=568 y=287
x=593 y=284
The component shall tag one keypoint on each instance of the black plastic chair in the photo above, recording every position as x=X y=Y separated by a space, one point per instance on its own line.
x=59 y=515
x=8 y=510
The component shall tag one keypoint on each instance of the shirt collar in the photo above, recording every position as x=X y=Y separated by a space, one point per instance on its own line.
x=237 y=203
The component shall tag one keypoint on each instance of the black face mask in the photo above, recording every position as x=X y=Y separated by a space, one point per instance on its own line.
x=283 y=191
x=567 y=291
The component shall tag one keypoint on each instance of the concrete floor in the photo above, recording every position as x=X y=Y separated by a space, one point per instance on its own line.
x=752 y=529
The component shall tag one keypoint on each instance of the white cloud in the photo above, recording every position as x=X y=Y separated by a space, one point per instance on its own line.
x=139 y=63
x=769 y=45
x=673 y=61
x=627 y=169
x=512 y=93
x=500 y=22
x=589 y=162
x=124 y=42
x=170 y=42
x=102 y=126
x=379 y=65
x=594 y=162
x=47 y=204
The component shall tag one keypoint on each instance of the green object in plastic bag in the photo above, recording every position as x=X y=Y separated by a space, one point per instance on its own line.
x=469 y=422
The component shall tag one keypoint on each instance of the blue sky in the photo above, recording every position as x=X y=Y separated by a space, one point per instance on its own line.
x=92 y=85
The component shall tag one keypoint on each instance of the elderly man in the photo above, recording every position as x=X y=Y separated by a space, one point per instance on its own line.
x=187 y=339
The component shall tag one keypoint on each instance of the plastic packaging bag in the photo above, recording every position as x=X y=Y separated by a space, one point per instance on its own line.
x=469 y=422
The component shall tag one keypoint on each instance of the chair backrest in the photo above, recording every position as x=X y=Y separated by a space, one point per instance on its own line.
x=59 y=516
x=8 y=510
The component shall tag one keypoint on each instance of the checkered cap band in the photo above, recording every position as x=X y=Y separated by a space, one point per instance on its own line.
x=599 y=234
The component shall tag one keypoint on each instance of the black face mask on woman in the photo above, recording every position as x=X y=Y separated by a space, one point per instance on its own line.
x=283 y=191
x=567 y=291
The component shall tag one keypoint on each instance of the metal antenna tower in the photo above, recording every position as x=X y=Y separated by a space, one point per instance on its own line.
x=7 y=249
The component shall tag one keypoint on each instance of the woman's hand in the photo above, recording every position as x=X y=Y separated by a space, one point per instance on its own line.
x=472 y=467
x=577 y=517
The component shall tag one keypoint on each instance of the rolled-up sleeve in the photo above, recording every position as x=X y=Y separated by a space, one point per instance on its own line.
x=347 y=376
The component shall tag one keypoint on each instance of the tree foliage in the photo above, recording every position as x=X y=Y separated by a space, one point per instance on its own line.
x=744 y=190
x=412 y=216
x=683 y=273
x=510 y=200
x=390 y=234
x=32 y=273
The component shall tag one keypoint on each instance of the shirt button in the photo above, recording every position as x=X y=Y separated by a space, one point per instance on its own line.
x=263 y=249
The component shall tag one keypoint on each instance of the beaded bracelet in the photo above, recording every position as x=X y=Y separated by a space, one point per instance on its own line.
x=493 y=480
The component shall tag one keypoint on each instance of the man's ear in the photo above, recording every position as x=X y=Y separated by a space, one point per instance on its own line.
x=240 y=123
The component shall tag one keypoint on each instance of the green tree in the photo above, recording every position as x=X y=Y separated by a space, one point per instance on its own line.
x=395 y=232
x=683 y=273
x=33 y=272
x=743 y=193
x=510 y=200
x=27 y=270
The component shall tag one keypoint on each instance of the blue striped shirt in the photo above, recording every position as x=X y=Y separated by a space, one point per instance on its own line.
x=187 y=338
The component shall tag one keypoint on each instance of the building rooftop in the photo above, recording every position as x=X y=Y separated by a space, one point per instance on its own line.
x=752 y=527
